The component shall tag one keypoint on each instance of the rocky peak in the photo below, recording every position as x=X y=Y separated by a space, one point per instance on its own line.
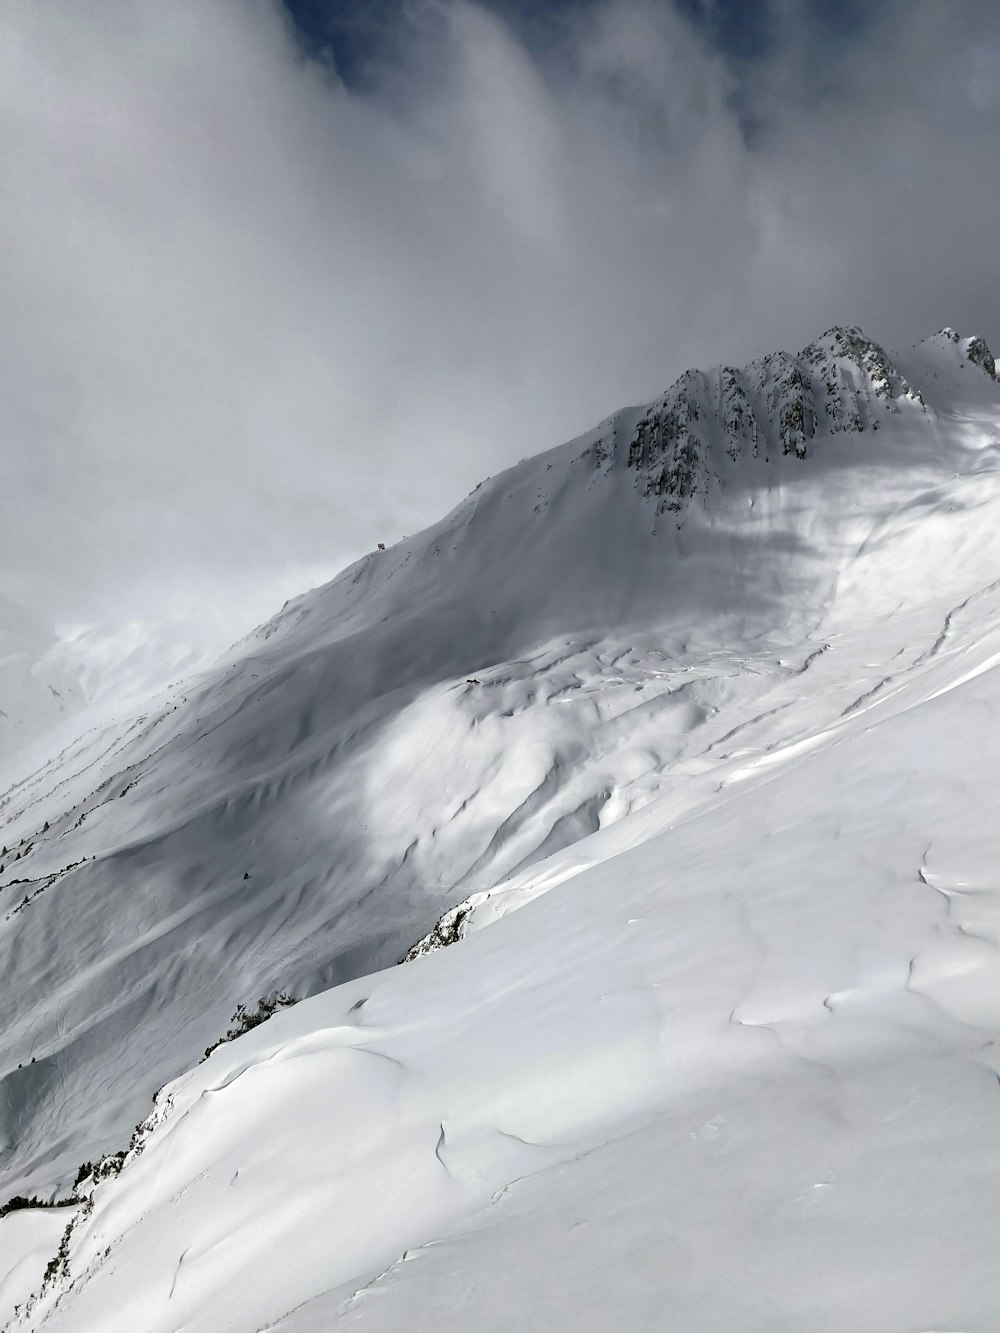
x=772 y=408
x=979 y=354
x=840 y=347
x=973 y=349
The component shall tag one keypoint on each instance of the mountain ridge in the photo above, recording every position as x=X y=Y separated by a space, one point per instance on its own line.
x=549 y=659
x=751 y=993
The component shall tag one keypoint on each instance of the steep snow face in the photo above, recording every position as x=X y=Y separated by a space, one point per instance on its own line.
x=561 y=658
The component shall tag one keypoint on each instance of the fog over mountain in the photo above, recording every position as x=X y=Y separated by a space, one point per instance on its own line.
x=452 y=879
x=258 y=318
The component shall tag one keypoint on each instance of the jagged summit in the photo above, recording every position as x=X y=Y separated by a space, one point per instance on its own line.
x=974 y=349
x=844 y=381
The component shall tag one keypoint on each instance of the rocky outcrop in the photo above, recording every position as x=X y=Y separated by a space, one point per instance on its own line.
x=980 y=355
x=774 y=407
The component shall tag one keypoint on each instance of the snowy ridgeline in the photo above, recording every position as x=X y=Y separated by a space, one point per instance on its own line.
x=710 y=695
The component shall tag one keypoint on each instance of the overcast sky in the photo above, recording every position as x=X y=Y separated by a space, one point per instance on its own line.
x=279 y=281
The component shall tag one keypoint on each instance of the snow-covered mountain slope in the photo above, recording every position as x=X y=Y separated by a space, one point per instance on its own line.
x=741 y=1075
x=38 y=688
x=709 y=644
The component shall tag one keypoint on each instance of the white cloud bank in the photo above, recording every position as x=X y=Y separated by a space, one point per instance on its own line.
x=254 y=322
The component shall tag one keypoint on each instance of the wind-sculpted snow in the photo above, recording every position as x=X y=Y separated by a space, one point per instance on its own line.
x=705 y=757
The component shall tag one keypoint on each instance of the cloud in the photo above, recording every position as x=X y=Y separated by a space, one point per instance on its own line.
x=255 y=321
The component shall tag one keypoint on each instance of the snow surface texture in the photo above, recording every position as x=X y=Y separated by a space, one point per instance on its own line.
x=710 y=695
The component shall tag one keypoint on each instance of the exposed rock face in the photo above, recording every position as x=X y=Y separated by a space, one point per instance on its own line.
x=980 y=355
x=974 y=349
x=773 y=407
x=448 y=929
